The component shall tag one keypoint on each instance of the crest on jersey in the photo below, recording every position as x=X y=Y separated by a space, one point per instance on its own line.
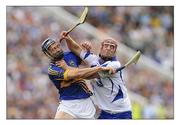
x=71 y=62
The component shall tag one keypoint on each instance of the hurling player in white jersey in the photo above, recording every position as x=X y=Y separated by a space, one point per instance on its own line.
x=110 y=91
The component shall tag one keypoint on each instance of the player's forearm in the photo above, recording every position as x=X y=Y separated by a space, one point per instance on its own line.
x=89 y=72
x=73 y=46
x=92 y=76
x=83 y=73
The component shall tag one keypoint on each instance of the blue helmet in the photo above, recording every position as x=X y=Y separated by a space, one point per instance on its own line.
x=45 y=48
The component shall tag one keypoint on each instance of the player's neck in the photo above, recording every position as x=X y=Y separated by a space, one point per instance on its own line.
x=104 y=59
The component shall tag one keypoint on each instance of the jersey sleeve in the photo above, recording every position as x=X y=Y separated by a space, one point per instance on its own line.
x=58 y=76
x=57 y=73
x=89 y=58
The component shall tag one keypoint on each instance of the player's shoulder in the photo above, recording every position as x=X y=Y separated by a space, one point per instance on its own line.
x=69 y=56
x=69 y=53
x=54 y=69
x=113 y=62
x=87 y=54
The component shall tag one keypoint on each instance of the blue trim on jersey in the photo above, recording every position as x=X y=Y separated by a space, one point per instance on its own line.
x=113 y=59
x=119 y=94
x=122 y=115
x=99 y=83
x=101 y=61
x=112 y=84
x=56 y=74
x=121 y=75
x=87 y=54
x=93 y=66
x=104 y=65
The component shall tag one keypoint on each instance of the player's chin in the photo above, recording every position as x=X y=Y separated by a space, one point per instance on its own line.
x=108 y=56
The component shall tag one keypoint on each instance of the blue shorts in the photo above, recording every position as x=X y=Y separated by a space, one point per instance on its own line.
x=122 y=115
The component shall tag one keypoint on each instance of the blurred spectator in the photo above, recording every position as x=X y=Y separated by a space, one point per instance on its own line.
x=149 y=29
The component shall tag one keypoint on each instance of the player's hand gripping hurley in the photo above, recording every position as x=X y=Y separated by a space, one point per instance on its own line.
x=134 y=59
x=80 y=21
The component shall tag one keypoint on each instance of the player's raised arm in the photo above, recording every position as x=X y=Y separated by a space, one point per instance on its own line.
x=72 y=44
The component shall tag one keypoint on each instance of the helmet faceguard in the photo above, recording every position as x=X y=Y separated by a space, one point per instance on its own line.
x=45 y=48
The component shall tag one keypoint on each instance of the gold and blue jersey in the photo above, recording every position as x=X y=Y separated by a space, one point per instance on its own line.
x=68 y=89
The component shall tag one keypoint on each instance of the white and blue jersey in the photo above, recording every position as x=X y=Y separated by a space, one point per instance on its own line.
x=110 y=93
x=78 y=88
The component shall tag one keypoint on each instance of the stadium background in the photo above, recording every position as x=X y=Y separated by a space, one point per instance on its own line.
x=30 y=94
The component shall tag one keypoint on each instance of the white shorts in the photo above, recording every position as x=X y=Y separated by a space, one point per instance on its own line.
x=81 y=108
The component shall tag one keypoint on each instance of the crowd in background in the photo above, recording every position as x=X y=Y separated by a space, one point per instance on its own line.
x=149 y=29
x=30 y=94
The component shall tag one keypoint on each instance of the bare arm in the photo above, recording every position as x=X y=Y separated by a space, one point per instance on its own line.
x=85 y=73
x=81 y=73
x=88 y=73
x=96 y=75
x=72 y=44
